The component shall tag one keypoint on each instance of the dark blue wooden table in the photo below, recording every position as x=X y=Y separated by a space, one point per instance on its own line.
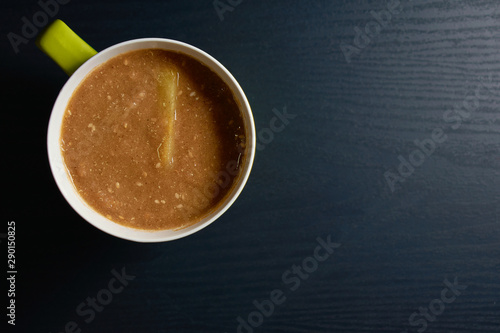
x=374 y=208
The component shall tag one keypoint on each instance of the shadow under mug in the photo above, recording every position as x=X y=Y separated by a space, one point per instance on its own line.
x=78 y=59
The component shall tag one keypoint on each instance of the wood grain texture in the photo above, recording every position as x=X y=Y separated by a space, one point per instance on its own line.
x=322 y=176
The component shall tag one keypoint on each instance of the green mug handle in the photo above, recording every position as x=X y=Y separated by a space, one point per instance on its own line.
x=64 y=46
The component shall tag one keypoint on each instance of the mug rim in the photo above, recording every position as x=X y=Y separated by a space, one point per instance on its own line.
x=63 y=178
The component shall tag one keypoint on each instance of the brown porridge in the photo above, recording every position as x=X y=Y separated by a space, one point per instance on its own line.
x=153 y=139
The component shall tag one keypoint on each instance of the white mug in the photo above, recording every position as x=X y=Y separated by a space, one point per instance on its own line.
x=56 y=41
